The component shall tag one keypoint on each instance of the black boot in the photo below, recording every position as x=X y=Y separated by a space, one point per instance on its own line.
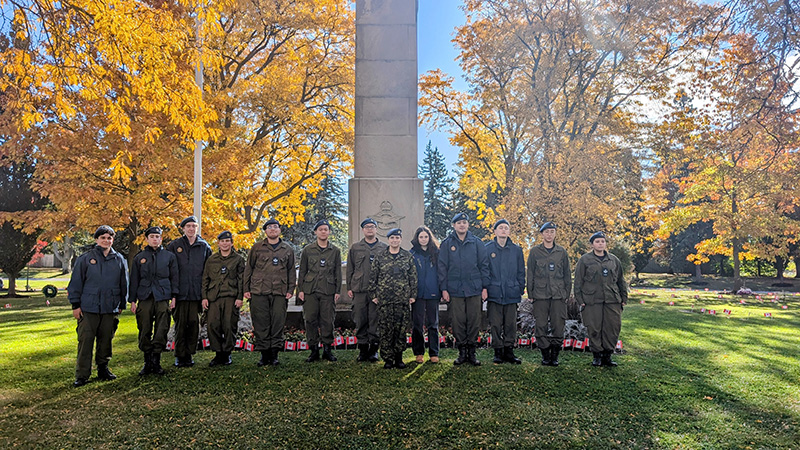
x=265 y=358
x=372 y=353
x=498 y=356
x=554 y=350
x=471 y=358
x=80 y=382
x=597 y=361
x=388 y=363
x=274 y=357
x=546 y=355
x=328 y=354
x=157 y=369
x=217 y=360
x=510 y=356
x=462 y=356
x=103 y=373
x=398 y=361
x=148 y=364
x=606 y=359
x=314 y=356
x=363 y=353
x=226 y=359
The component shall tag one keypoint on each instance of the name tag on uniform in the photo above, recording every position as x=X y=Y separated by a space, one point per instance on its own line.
x=552 y=267
x=322 y=262
x=605 y=272
x=275 y=261
x=223 y=270
x=371 y=258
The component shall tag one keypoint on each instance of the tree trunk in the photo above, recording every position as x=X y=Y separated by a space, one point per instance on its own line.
x=780 y=266
x=797 y=266
x=12 y=285
x=66 y=255
x=737 y=277
x=698 y=273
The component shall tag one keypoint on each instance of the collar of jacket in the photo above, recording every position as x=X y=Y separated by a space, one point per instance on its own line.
x=467 y=238
x=601 y=258
x=322 y=249
x=266 y=243
x=154 y=250
x=99 y=251
x=509 y=243
x=197 y=241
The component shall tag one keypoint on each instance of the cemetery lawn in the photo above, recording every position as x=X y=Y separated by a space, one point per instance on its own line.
x=687 y=380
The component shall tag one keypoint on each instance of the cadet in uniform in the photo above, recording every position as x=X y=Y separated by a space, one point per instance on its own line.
x=506 y=283
x=192 y=251
x=365 y=313
x=318 y=283
x=463 y=278
x=601 y=291
x=549 y=286
x=392 y=287
x=154 y=282
x=269 y=282
x=222 y=297
x=98 y=292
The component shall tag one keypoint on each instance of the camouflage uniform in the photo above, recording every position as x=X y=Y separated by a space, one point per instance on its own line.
x=393 y=281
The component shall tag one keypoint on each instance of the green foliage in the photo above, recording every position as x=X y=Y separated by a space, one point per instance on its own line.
x=438 y=191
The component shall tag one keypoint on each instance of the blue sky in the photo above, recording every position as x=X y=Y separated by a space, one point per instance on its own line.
x=436 y=23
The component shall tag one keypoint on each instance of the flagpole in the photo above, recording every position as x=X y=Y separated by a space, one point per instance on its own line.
x=198 y=144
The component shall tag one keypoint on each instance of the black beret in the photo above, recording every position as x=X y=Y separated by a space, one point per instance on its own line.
x=460 y=216
x=599 y=234
x=547 y=226
x=103 y=229
x=188 y=220
x=395 y=232
x=368 y=221
x=270 y=222
x=152 y=230
x=225 y=235
x=321 y=223
x=499 y=222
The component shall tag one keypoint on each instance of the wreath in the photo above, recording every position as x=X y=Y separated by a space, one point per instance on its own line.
x=50 y=291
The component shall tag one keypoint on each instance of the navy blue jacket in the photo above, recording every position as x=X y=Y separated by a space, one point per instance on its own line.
x=463 y=266
x=191 y=262
x=507 y=272
x=99 y=283
x=154 y=271
x=427 y=276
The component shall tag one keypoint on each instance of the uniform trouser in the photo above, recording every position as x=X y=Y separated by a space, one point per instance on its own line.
x=187 y=328
x=153 y=320
x=425 y=312
x=394 y=318
x=465 y=312
x=91 y=327
x=269 y=318
x=555 y=311
x=319 y=311
x=503 y=324
x=603 y=322
x=365 y=315
x=223 y=324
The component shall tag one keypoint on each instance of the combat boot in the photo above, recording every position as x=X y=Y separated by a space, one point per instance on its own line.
x=314 y=356
x=498 y=356
x=597 y=361
x=156 y=364
x=554 y=350
x=265 y=358
x=217 y=360
x=363 y=353
x=80 y=382
x=462 y=356
x=388 y=364
x=510 y=356
x=274 y=357
x=606 y=359
x=226 y=359
x=148 y=364
x=103 y=373
x=545 y=355
x=328 y=354
x=372 y=353
x=398 y=361
x=471 y=358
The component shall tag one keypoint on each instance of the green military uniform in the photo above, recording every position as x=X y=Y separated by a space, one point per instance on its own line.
x=269 y=275
x=393 y=281
x=319 y=278
x=549 y=286
x=600 y=285
x=365 y=313
x=222 y=286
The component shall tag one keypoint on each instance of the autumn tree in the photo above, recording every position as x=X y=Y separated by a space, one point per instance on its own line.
x=438 y=191
x=549 y=125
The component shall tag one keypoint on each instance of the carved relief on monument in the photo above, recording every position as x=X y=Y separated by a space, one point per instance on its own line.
x=386 y=218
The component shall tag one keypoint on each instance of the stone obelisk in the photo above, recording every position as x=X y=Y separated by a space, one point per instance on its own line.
x=386 y=186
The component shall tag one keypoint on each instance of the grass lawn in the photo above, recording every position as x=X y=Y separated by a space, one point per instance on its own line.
x=687 y=380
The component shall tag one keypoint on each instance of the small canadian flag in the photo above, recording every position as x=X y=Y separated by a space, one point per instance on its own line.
x=302 y=345
x=785 y=307
x=426 y=338
x=579 y=345
x=171 y=345
x=567 y=343
x=642 y=301
x=619 y=345
x=742 y=301
x=248 y=347
x=479 y=338
x=524 y=342
x=586 y=343
x=713 y=312
x=339 y=340
x=239 y=343
x=533 y=339
x=289 y=345
x=442 y=339
x=408 y=339
x=719 y=296
x=767 y=314
x=8 y=305
x=206 y=343
x=727 y=311
x=671 y=303
x=351 y=340
x=489 y=340
x=703 y=310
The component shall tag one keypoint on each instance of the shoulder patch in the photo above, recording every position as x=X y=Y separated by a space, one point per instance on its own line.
x=179 y=250
x=144 y=260
x=92 y=261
